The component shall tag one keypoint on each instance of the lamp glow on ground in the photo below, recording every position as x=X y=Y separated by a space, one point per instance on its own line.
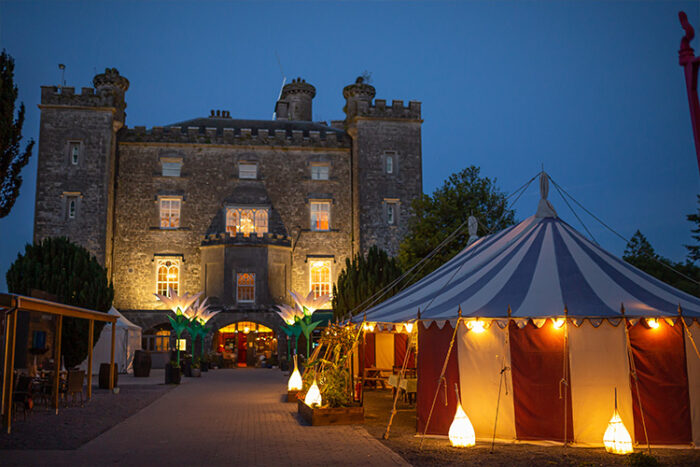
x=295 y=382
x=617 y=439
x=461 y=432
x=313 y=396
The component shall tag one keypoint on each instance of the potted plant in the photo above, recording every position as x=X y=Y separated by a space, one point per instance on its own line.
x=172 y=373
x=328 y=398
x=196 y=370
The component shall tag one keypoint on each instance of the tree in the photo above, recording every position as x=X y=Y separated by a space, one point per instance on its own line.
x=12 y=160
x=435 y=217
x=694 y=250
x=640 y=254
x=361 y=279
x=71 y=273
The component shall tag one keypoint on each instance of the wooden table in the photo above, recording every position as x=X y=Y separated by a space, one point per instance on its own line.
x=374 y=375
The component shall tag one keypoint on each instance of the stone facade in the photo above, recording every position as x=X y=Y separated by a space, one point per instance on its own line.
x=120 y=178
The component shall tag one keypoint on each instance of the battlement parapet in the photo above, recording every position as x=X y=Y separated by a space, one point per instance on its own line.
x=235 y=136
x=240 y=239
x=397 y=109
x=54 y=95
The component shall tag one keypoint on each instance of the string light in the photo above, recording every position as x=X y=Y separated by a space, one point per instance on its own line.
x=653 y=323
x=408 y=327
x=476 y=326
x=558 y=322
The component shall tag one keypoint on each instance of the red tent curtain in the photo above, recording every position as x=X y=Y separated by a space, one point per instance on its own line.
x=433 y=344
x=370 y=348
x=400 y=345
x=660 y=361
x=537 y=359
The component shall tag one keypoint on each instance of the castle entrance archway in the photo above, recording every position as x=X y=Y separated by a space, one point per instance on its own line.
x=247 y=343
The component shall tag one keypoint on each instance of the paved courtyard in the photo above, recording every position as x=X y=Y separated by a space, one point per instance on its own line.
x=227 y=417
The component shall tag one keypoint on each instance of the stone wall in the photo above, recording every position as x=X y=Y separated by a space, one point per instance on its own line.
x=209 y=175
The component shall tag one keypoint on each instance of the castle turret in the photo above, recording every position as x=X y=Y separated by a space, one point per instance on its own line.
x=386 y=165
x=76 y=162
x=296 y=101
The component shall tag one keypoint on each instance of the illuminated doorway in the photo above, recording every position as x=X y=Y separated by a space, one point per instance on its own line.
x=247 y=343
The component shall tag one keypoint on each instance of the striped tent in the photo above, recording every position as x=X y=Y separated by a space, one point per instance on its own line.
x=563 y=323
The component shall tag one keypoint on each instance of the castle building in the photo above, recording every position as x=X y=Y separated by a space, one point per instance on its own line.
x=242 y=210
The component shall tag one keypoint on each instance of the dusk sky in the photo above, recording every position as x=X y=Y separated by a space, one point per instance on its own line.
x=592 y=91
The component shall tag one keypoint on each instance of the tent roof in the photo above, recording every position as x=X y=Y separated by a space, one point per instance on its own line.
x=538 y=268
x=122 y=322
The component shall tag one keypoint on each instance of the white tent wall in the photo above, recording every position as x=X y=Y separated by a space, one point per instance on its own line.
x=598 y=364
x=693 y=362
x=481 y=357
x=384 y=349
x=127 y=339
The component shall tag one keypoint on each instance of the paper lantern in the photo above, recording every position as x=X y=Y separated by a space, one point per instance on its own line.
x=295 y=383
x=461 y=432
x=617 y=439
x=313 y=396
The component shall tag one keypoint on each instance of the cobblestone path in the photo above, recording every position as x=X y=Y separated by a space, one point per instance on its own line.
x=228 y=417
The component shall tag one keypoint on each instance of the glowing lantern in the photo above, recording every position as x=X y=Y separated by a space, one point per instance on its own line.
x=246 y=330
x=369 y=327
x=617 y=439
x=409 y=327
x=476 y=326
x=181 y=344
x=313 y=396
x=653 y=323
x=461 y=432
x=558 y=323
x=295 y=383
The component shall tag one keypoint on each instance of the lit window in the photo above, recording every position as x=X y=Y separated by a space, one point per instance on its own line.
x=162 y=341
x=320 y=277
x=247 y=170
x=319 y=172
x=74 y=150
x=246 y=221
x=246 y=287
x=168 y=275
x=320 y=215
x=171 y=168
x=72 y=206
x=169 y=213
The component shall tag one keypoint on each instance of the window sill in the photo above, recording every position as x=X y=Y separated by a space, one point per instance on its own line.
x=169 y=228
x=320 y=231
x=159 y=176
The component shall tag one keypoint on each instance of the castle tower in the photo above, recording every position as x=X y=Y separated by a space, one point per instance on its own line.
x=296 y=101
x=77 y=162
x=386 y=166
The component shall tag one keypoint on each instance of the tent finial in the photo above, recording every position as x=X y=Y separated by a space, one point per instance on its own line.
x=459 y=311
x=622 y=309
x=544 y=208
x=418 y=312
x=509 y=311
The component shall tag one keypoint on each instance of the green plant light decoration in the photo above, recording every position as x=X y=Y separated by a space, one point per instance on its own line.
x=180 y=306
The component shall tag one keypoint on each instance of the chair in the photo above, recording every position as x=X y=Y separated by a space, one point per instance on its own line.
x=74 y=385
x=22 y=396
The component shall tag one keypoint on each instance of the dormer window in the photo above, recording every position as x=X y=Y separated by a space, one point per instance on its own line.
x=248 y=170
x=246 y=221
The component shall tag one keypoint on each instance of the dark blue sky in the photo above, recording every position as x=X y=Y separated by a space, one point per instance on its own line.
x=592 y=90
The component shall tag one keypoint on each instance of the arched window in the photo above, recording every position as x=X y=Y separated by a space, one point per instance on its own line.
x=245 y=287
x=168 y=275
x=232 y=221
x=321 y=277
x=260 y=222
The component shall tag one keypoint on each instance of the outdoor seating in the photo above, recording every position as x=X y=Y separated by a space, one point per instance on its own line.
x=21 y=396
x=74 y=386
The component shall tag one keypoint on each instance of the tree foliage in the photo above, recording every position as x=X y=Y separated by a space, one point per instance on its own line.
x=640 y=254
x=435 y=217
x=694 y=250
x=72 y=274
x=12 y=159
x=363 y=277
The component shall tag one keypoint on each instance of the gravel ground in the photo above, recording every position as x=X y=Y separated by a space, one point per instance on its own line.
x=75 y=426
x=438 y=451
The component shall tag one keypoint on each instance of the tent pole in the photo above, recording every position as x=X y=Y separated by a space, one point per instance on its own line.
x=57 y=375
x=565 y=378
x=111 y=358
x=8 y=380
x=442 y=377
x=402 y=372
x=7 y=318
x=633 y=370
x=500 y=384
x=687 y=330
x=91 y=338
